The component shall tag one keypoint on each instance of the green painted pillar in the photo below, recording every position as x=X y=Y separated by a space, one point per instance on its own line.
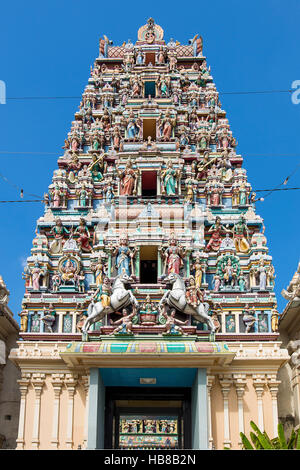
x=159 y=265
x=96 y=411
x=137 y=263
x=109 y=265
x=199 y=411
x=188 y=264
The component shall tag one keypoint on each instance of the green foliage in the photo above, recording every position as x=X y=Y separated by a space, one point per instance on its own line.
x=261 y=441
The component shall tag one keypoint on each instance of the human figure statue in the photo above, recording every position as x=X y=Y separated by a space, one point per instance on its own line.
x=98 y=269
x=216 y=235
x=84 y=236
x=124 y=324
x=173 y=256
x=103 y=293
x=197 y=267
x=230 y=273
x=240 y=235
x=23 y=319
x=128 y=180
x=169 y=177
x=262 y=272
x=59 y=232
x=124 y=257
x=193 y=294
x=249 y=317
x=36 y=273
x=172 y=325
x=49 y=317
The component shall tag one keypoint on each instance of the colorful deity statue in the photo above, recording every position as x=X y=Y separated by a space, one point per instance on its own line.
x=216 y=235
x=103 y=293
x=74 y=165
x=49 y=317
x=229 y=273
x=173 y=256
x=59 y=232
x=148 y=313
x=262 y=274
x=83 y=194
x=124 y=324
x=169 y=177
x=193 y=294
x=99 y=270
x=84 y=236
x=249 y=317
x=36 y=273
x=198 y=268
x=133 y=127
x=56 y=196
x=165 y=126
x=96 y=167
x=23 y=319
x=128 y=180
x=173 y=325
x=274 y=319
x=124 y=257
x=240 y=235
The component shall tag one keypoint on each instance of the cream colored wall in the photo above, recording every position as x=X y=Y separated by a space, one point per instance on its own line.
x=47 y=414
x=250 y=409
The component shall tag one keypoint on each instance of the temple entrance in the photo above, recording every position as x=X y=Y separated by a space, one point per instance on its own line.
x=148 y=418
x=148 y=264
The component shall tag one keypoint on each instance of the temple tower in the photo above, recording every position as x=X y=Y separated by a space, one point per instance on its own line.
x=149 y=293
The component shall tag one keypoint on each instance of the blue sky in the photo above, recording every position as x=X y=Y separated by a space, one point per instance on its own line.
x=47 y=49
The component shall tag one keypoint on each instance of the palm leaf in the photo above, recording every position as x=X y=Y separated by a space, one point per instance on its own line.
x=265 y=443
x=246 y=443
x=292 y=440
x=281 y=437
x=298 y=440
x=256 y=441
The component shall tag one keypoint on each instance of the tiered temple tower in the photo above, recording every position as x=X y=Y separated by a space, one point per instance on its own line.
x=150 y=266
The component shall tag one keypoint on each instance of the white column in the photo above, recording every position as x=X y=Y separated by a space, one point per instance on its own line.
x=71 y=382
x=210 y=381
x=57 y=383
x=23 y=386
x=240 y=385
x=273 y=385
x=86 y=385
x=226 y=382
x=37 y=381
x=60 y=322
x=259 y=382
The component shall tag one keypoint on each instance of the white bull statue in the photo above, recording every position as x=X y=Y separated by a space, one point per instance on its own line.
x=119 y=299
x=175 y=298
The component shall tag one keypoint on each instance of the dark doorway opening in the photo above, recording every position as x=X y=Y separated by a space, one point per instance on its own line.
x=149 y=129
x=149 y=184
x=150 y=57
x=149 y=89
x=148 y=264
x=148 y=418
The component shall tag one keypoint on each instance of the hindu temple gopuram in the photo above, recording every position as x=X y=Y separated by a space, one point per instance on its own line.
x=149 y=318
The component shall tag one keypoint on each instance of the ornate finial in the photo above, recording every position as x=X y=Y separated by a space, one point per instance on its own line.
x=150 y=32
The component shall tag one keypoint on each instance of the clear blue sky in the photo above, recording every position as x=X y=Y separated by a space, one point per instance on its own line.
x=47 y=49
